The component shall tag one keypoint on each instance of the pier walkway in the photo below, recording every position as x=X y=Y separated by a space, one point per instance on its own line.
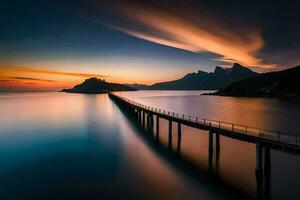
x=287 y=142
x=149 y=118
x=262 y=138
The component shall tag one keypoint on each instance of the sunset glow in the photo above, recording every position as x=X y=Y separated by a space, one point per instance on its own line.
x=17 y=78
x=56 y=45
x=32 y=78
x=168 y=29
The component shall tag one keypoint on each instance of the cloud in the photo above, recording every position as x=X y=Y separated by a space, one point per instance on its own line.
x=4 y=81
x=191 y=31
x=47 y=72
x=31 y=79
x=24 y=78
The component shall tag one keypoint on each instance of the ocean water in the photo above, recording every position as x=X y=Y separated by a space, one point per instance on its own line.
x=76 y=146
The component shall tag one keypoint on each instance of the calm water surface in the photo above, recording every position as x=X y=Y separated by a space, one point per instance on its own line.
x=75 y=146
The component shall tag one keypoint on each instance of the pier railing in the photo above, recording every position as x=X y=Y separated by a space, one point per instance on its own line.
x=278 y=136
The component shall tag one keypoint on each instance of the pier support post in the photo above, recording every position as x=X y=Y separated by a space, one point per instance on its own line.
x=143 y=124
x=210 y=151
x=217 y=162
x=267 y=173
x=217 y=142
x=140 y=117
x=142 y=121
x=258 y=159
x=150 y=123
x=179 y=138
x=217 y=153
x=170 y=135
x=157 y=127
x=259 y=171
x=210 y=140
x=263 y=171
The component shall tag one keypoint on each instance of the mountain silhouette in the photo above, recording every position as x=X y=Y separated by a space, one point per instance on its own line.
x=220 y=78
x=284 y=83
x=138 y=86
x=97 y=86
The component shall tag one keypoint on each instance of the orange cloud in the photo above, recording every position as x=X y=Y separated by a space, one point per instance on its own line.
x=47 y=72
x=31 y=79
x=24 y=78
x=201 y=34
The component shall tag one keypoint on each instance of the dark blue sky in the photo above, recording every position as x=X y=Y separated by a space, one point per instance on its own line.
x=77 y=36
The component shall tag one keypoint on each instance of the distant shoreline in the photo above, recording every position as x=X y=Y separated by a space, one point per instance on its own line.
x=82 y=92
x=282 y=97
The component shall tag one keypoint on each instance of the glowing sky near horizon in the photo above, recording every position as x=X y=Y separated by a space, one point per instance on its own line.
x=56 y=44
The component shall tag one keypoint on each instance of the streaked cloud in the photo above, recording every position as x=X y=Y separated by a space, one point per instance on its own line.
x=199 y=33
x=47 y=72
x=23 y=78
x=31 y=79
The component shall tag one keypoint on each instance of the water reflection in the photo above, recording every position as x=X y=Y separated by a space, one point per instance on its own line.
x=73 y=146
x=150 y=138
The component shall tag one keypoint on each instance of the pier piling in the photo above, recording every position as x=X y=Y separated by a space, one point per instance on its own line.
x=258 y=159
x=210 y=151
x=217 y=142
x=157 y=127
x=179 y=138
x=267 y=173
x=151 y=123
x=170 y=135
x=143 y=123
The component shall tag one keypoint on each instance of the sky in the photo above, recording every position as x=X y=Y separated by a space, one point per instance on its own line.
x=54 y=44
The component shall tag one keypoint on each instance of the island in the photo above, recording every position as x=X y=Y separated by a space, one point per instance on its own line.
x=97 y=86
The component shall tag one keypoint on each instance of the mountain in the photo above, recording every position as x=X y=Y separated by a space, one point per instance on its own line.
x=97 y=86
x=284 y=83
x=220 y=78
x=138 y=86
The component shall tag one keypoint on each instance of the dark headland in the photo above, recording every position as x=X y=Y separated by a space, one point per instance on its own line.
x=281 y=84
x=97 y=86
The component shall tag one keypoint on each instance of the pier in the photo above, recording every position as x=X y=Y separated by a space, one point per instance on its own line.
x=286 y=142
x=263 y=139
